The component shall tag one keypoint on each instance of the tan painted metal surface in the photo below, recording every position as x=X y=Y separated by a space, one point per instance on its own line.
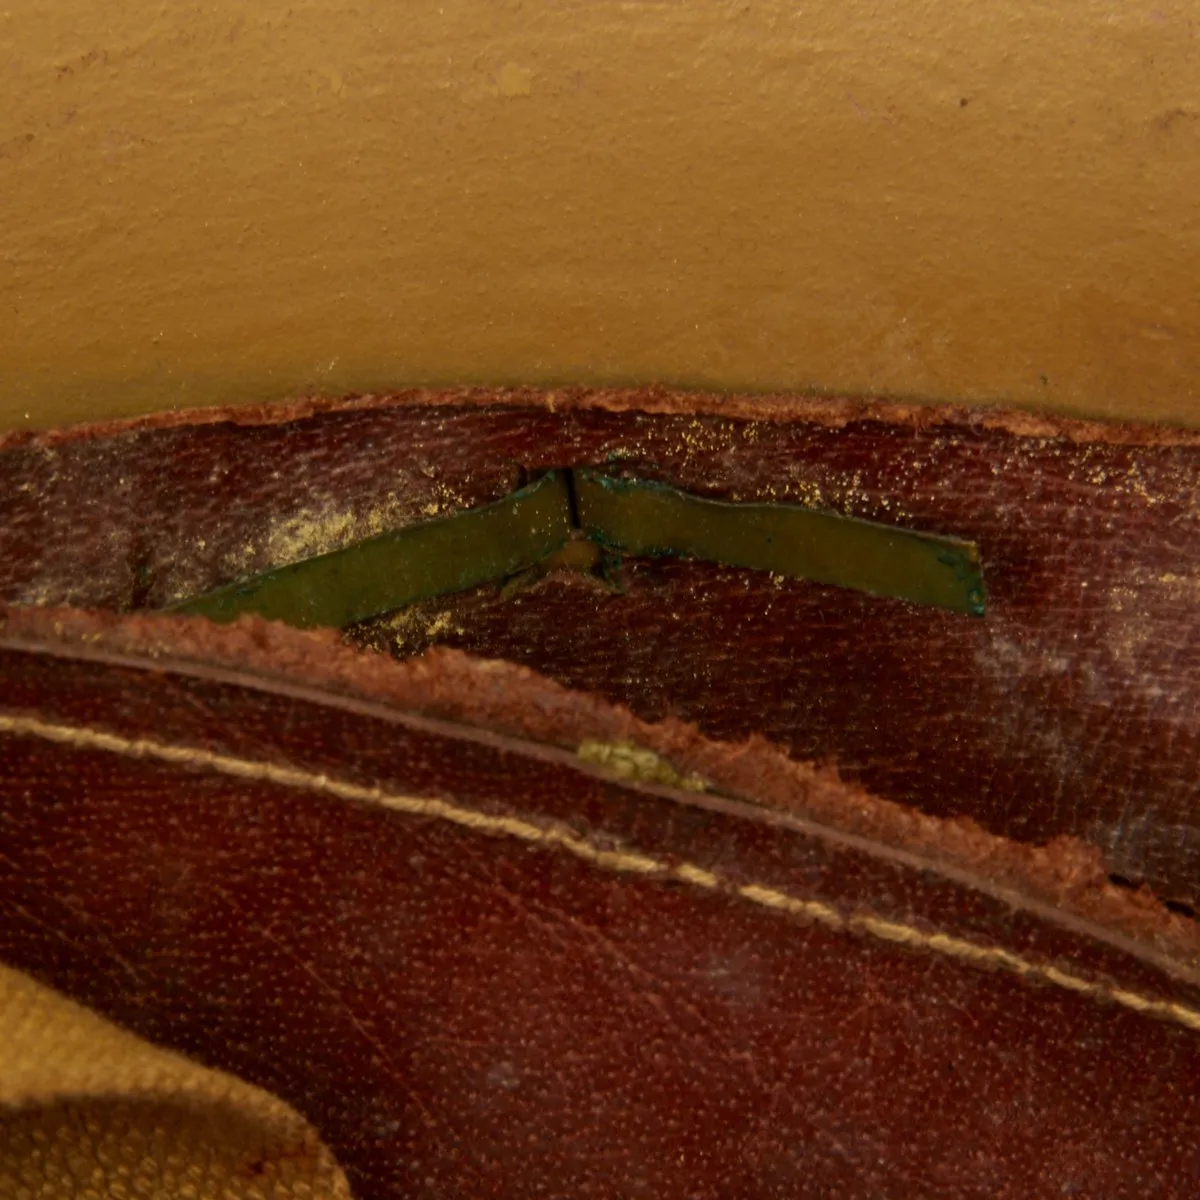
x=992 y=202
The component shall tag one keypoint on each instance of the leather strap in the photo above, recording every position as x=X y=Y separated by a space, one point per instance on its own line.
x=481 y=964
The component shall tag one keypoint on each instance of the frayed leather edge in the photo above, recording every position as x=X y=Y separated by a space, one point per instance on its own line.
x=830 y=411
x=1066 y=874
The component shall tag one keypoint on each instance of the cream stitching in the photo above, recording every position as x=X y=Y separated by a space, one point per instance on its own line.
x=983 y=957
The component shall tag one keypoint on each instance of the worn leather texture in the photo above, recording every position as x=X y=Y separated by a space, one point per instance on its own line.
x=1070 y=711
x=483 y=963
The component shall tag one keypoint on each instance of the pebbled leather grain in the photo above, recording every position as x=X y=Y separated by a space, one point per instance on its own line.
x=484 y=967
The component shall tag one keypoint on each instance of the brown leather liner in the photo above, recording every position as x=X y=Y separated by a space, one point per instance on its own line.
x=484 y=968
x=1066 y=875
x=1069 y=711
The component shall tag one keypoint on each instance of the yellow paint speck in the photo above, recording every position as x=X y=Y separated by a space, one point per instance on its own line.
x=630 y=761
x=442 y=623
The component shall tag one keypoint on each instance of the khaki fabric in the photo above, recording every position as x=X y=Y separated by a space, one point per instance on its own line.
x=90 y=1112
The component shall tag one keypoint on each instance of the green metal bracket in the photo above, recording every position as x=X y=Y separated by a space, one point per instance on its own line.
x=633 y=516
x=628 y=516
x=399 y=568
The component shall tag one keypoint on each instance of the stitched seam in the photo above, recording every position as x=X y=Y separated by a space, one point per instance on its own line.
x=626 y=862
